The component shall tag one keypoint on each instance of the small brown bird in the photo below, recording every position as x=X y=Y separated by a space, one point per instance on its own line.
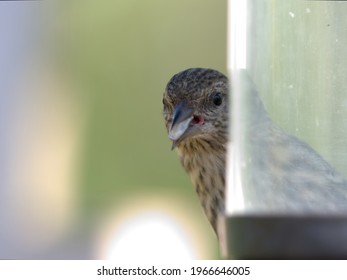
x=283 y=173
x=196 y=117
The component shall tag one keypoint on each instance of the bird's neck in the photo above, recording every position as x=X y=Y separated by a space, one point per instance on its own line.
x=204 y=160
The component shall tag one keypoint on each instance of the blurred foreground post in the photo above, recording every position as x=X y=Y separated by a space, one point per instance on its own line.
x=39 y=137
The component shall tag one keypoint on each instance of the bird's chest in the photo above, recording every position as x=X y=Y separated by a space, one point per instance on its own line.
x=207 y=172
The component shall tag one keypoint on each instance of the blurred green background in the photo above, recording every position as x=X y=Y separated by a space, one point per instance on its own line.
x=83 y=138
x=121 y=54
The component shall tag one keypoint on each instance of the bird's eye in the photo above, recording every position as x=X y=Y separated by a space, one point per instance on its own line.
x=217 y=99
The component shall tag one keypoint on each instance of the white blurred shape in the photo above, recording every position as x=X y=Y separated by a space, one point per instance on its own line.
x=150 y=236
x=152 y=227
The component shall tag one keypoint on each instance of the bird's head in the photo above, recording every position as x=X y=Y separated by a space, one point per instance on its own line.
x=196 y=105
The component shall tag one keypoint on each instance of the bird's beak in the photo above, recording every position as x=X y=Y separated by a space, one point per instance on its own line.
x=182 y=118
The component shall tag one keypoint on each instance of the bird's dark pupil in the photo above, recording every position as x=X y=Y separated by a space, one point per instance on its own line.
x=217 y=99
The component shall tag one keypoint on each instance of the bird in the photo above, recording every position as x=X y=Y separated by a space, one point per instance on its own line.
x=280 y=173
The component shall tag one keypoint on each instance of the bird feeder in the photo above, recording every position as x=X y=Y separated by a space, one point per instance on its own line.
x=286 y=189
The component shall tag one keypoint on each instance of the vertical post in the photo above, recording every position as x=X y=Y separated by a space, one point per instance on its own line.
x=237 y=59
x=39 y=137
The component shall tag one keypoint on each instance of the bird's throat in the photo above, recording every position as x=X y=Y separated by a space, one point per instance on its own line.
x=205 y=163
